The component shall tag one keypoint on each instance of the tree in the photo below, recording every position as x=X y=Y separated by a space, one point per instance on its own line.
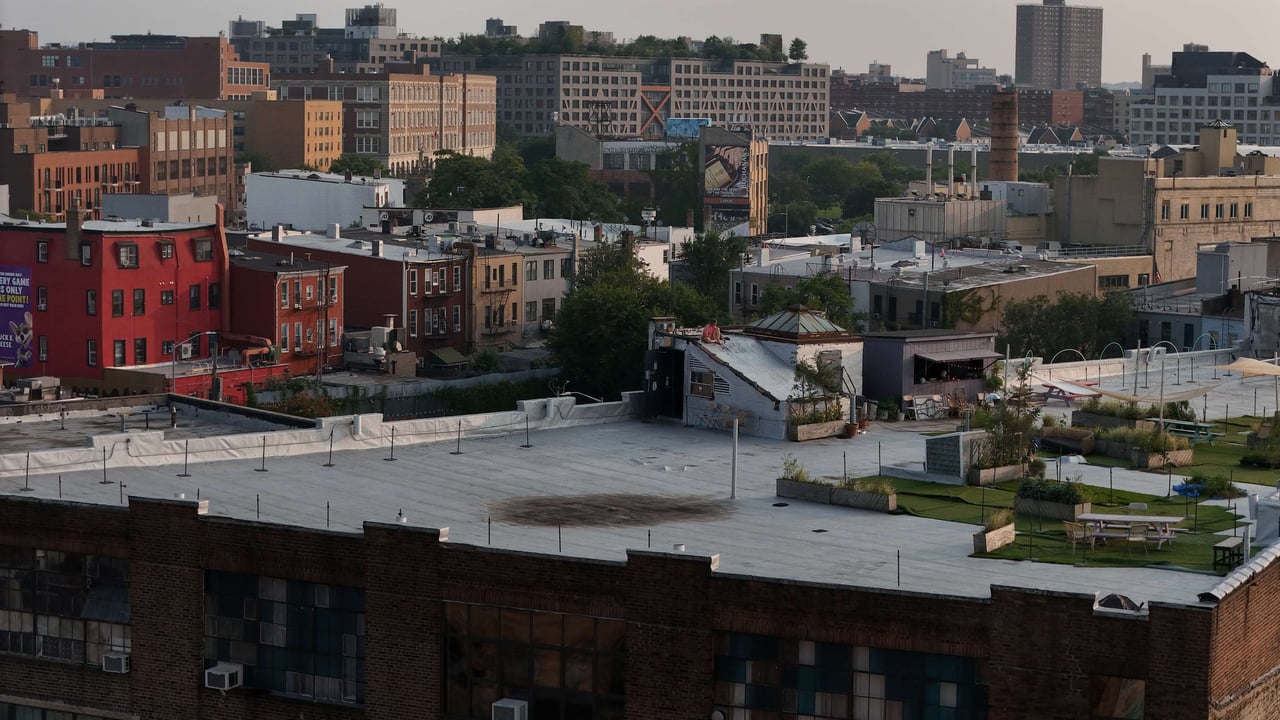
x=257 y=161
x=1077 y=321
x=798 y=51
x=601 y=329
x=826 y=292
x=605 y=259
x=675 y=184
x=469 y=181
x=356 y=165
x=706 y=261
x=565 y=189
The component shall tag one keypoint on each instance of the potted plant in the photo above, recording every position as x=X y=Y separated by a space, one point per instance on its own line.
x=878 y=495
x=1051 y=499
x=997 y=531
x=1003 y=453
x=890 y=409
x=796 y=483
x=815 y=409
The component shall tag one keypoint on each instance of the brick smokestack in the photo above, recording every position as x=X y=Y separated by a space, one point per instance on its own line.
x=1003 y=163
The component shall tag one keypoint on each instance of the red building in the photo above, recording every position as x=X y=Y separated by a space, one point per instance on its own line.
x=305 y=298
x=83 y=298
x=422 y=286
x=136 y=66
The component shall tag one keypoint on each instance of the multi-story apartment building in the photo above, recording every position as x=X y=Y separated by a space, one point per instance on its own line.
x=303 y=318
x=1059 y=46
x=943 y=72
x=401 y=119
x=132 y=66
x=52 y=162
x=494 y=296
x=302 y=46
x=110 y=294
x=1035 y=107
x=1174 y=204
x=634 y=97
x=288 y=133
x=185 y=149
x=1204 y=86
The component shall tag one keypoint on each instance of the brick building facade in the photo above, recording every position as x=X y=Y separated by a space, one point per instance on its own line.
x=305 y=298
x=434 y=629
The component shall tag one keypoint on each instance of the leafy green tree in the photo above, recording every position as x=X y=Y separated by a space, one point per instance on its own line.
x=605 y=259
x=601 y=329
x=469 y=181
x=793 y=218
x=356 y=165
x=706 y=261
x=825 y=292
x=258 y=161
x=1078 y=321
x=831 y=178
x=565 y=189
x=675 y=184
x=798 y=51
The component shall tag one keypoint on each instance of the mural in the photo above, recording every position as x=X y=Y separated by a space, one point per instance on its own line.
x=17 y=336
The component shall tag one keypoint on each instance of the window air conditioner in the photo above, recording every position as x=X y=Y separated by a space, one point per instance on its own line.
x=115 y=662
x=224 y=676
x=297 y=306
x=184 y=351
x=508 y=709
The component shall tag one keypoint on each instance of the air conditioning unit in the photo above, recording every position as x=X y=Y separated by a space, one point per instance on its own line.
x=115 y=662
x=42 y=305
x=185 y=351
x=224 y=676
x=508 y=709
x=297 y=306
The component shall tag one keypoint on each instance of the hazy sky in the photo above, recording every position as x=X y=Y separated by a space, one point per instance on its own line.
x=848 y=35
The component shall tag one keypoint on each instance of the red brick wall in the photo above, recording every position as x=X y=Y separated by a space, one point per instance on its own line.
x=1244 y=680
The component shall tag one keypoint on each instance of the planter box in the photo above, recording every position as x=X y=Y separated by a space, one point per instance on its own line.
x=985 y=542
x=808 y=492
x=991 y=476
x=1049 y=510
x=1080 y=418
x=815 y=431
x=1081 y=441
x=864 y=500
x=1177 y=458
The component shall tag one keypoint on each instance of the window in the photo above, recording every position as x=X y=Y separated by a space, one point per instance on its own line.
x=42 y=251
x=333 y=290
x=166 y=297
x=91 y=302
x=566 y=267
x=204 y=249
x=139 y=351
x=166 y=347
x=702 y=384
x=91 y=353
x=530 y=270
x=1219 y=211
x=42 y=298
x=284 y=294
x=457 y=277
x=1235 y=210
x=139 y=301
x=548 y=309
x=1248 y=209
x=86 y=254
x=117 y=303
x=43 y=348
x=548 y=269
x=1164 y=210
x=193 y=297
x=737 y=292
x=166 y=249
x=297 y=336
x=118 y=357
x=310 y=291
x=333 y=332
x=531 y=311
x=284 y=338
x=1112 y=282
x=755 y=294
x=292 y=637
x=1184 y=211
x=1204 y=211
x=60 y=605
x=413 y=282
x=574 y=662
x=413 y=323
x=457 y=318
x=215 y=296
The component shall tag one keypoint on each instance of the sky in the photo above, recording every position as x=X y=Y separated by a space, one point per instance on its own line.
x=858 y=33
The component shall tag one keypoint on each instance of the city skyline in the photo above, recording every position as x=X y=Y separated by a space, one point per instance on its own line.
x=985 y=30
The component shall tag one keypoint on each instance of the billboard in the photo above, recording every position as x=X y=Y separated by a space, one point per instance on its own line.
x=725 y=171
x=17 y=338
x=685 y=127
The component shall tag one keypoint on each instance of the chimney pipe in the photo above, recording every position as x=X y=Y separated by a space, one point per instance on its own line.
x=973 y=171
x=951 y=172
x=1002 y=163
x=928 y=169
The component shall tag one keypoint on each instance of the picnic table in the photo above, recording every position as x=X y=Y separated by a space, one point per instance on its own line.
x=1107 y=525
x=1228 y=553
x=1066 y=391
x=1189 y=428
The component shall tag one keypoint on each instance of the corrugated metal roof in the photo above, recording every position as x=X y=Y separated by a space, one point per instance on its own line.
x=796 y=321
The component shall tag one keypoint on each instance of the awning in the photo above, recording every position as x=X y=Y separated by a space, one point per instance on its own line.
x=946 y=356
x=448 y=357
x=1251 y=368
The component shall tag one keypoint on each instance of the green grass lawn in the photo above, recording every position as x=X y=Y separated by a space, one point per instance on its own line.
x=1045 y=540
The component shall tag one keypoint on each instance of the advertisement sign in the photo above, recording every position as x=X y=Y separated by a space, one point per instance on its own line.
x=725 y=171
x=685 y=127
x=17 y=338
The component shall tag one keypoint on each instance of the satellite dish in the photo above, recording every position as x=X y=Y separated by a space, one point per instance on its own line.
x=428 y=217
x=865 y=230
x=384 y=216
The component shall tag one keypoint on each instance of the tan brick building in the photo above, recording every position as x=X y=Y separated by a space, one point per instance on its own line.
x=401 y=119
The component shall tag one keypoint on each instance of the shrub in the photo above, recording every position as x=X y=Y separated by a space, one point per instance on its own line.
x=1036 y=467
x=1180 y=410
x=1216 y=486
x=793 y=469
x=874 y=487
x=1151 y=441
x=1055 y=491
x=1049 y=421
x=998 y=518
x=1261 y=458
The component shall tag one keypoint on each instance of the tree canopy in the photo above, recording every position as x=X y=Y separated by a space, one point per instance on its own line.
x=826 y=292
x=356 y=165
x=1078 y=321
x=798 y=51
x=546 y=187
x=705 y=263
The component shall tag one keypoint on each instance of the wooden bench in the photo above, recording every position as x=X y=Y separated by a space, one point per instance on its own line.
x=1228 y=553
